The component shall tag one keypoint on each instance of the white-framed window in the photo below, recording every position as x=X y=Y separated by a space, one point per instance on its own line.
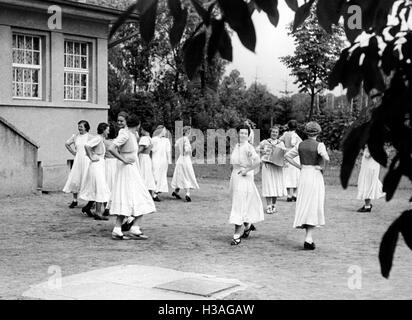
x=76 y=70
x=27 y=66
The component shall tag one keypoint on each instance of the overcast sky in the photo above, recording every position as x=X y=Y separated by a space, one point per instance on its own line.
x=271 y=44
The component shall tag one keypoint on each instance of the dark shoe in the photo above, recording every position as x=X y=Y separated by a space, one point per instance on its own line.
x=294 y=199
x=137 y=236
x=99 y=217
x=73 y=205
x=364 y=209
x=106 y=212
x=174 y=194
x=188 y=199
x=246 y=232
x=289 y=199
x=86 y=210
x=157 y=199
x=309 y=246
x=235 y=242
x=118 y=237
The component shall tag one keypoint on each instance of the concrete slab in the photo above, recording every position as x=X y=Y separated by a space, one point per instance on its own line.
x=201 y=287
x=134 y=282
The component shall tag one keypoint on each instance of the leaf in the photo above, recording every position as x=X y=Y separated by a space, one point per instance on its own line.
x=236 y=13
x=377 y=140
x=122 y=19
x=301 y=14
x=179 y=21
x=270 y=7
x=328 y=13
x=406 y=227
x=147 y=21
x=201 y=11
x=392 y=179
x=194 y=53
x=352 y=144
x=292 y=4
x=387 y=248
x=225 y=46
x=215 y=38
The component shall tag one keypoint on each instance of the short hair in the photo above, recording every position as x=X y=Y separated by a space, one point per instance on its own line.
x=273 y=128
x=85 y=124
x=292 y=124
x=133 y=121
x=124 y=115
x=113 y=131
x=101 y=127
x=186 y=129
x=243 y=126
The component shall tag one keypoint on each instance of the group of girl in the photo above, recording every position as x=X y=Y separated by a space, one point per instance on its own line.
x=301 y=180
x=125 y=173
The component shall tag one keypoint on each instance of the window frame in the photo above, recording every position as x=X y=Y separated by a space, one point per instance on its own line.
x=39 y=67
x=79 y=71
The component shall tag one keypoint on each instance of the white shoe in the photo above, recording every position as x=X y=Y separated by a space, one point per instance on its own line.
x=274 y=210
x=269 y=209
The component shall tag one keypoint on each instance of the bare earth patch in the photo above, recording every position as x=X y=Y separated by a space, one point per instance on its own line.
x=41 y=231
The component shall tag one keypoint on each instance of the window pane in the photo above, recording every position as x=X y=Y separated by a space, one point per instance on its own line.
x=20 y=42
x=70 y=47
x=14 y=56
x=27 y=75
x=35 y=76
x=77 y=93
x=28 y=57
x=36 y=44
x=70 y=63
x=84 y=49
x=77 y=79
x=76 y=48
x=36 y=58
x=27 y=90
x=14 y=41
x=19 y=74
x=70 y=79
x=20 y=56
x=84 y=80
x=35 y=90
x=77 y=62
x=29 y=43
x=84 y=94
x=19 y=90
x=84 y=63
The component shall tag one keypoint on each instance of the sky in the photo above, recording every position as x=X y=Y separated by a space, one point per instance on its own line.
x=271 y=44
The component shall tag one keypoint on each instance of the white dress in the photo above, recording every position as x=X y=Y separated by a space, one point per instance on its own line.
x=95 y=187
x=246 y=202
x=184 y=175
x=130 y=196
x=146 y=168
x=273 y=182
x=311 y=192
x=110 y=166
x=290 y=172
x=160 y=160
x=369 y=185
x=81 y=163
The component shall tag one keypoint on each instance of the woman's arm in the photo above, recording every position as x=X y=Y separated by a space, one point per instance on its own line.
x=291 y=155
x=89 y=153
x=117 y=155
x=69 y=144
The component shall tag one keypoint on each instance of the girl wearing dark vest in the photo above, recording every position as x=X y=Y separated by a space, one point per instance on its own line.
x=311 y=188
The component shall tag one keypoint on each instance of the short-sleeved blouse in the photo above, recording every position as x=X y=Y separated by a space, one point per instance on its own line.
x=244 y=155
x=292 y=153
x=126 y=141
x=97 y=145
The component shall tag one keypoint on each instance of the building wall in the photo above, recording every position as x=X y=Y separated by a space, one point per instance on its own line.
x=51 y=120
x=18 y=164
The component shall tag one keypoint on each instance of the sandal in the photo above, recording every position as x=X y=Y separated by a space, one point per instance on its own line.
x=246 y=232
x=120 y=237
x=235 y=241
x=138 y=236
x=174 y=194
x=269 y=209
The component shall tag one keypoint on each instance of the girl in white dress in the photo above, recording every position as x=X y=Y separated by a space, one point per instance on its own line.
x=311 y=189
x=95 y=187
x=247 y=207
x=81 y=161
x=145 y=161
x=161 y=158
x=273 y=182
x=130 y=197
x=369 y=185
x=291 y=139
x=184 y=175
x=110 y=164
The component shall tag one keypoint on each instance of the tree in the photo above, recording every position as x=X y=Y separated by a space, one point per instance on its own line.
x=363 y=64
x=316 y=52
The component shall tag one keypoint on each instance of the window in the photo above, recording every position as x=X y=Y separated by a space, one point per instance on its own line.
x=76 y=71
x=26 y=66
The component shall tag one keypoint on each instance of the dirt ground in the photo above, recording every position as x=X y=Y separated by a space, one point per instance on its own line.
x=41 y=231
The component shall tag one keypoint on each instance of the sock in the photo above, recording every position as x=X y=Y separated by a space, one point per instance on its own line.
x=135 y=229
x=118 y=231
